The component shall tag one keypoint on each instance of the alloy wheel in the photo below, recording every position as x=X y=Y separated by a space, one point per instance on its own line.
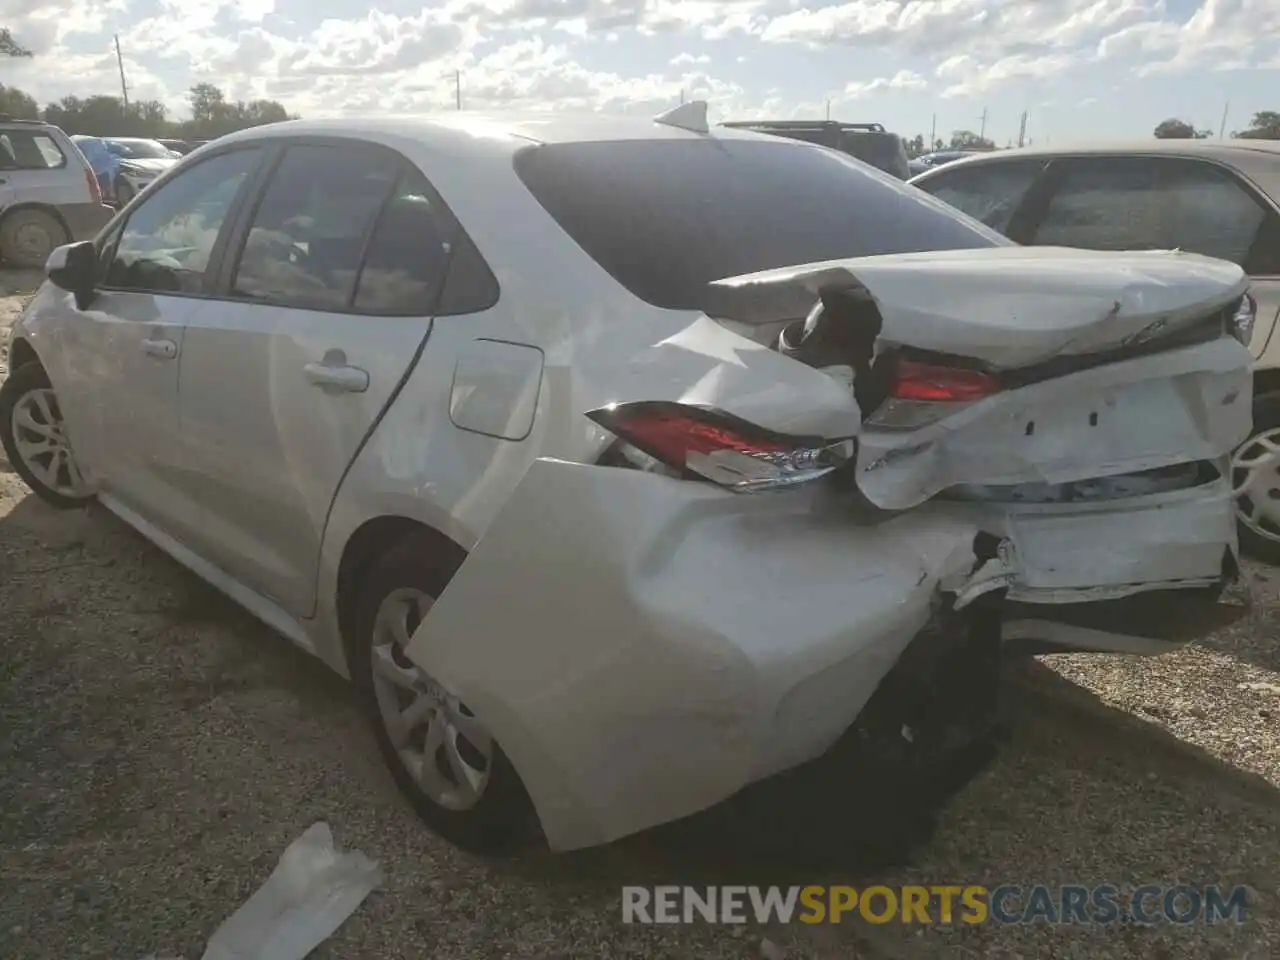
x=1255 y=471
x=441 y=743
x=39 y=435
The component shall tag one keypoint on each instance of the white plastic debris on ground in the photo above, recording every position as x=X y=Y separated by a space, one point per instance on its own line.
x=312 y=890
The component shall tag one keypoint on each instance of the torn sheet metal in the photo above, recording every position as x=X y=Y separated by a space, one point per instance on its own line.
x=1008 y=306
x=312 y=890
x=1184 y=405
x=651 y=615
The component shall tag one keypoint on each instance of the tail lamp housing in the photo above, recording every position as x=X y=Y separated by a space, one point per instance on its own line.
x=919 y=393
x=704 y=443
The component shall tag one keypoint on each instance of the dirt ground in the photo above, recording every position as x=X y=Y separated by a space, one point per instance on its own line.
x=159 y=749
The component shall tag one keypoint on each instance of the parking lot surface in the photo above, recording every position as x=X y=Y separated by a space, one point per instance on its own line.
x=159 y=749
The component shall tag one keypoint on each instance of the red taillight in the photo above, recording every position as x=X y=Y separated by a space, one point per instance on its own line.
x=95 y=189
x=720 y=447
x=925 y=381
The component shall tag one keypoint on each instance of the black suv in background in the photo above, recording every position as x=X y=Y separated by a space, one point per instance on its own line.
x=868 y=142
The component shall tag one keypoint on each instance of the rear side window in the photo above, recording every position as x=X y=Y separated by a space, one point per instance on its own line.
x=667 y=217
x=30 y=150
x=989 y=192
x=307 y=238
x=1139 y=203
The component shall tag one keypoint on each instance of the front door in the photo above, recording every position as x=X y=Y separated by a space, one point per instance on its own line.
x=123 y=353
x=328 y=304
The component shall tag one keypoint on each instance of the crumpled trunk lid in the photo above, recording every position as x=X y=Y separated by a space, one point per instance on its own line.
x=1009 y=307
x=1108 y=363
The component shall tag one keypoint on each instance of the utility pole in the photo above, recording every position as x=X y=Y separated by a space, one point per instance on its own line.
x=982 y=131
x=828 y=109
x=682 y=96
x=1022 y=129
x=1222 y=129
x=124 y=87
x=933 y=134
x=457 y=88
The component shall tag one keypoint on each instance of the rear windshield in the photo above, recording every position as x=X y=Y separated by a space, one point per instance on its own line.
x=667 y=217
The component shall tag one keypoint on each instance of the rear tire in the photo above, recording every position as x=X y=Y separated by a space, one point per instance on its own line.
x=33 y=433
x=497 y=819
x=29 y=235
x=1258 y=486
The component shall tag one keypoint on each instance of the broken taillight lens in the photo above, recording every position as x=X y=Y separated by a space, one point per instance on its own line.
x=1243 y=319
x=95 y=188
x=920 y=393
x=713 y=445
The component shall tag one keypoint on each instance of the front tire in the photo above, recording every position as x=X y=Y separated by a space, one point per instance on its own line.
x=440 y=755
x=35 y=440
x=124 y=192
x=1256 y=478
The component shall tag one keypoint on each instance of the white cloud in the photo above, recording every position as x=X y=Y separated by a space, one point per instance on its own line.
x=552 y=52
x=902 y=80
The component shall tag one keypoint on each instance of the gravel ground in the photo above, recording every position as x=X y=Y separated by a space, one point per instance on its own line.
x=159 y=749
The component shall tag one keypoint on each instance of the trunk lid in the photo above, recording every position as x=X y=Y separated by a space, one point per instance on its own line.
x=1106 y=363
x=1009 y=307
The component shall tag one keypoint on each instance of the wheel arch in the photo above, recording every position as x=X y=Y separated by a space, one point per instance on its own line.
x=373 y=538
x=21 y=352
x=1266 y=381
x=35 y=205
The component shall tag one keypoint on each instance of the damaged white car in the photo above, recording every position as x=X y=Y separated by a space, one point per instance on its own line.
x=623 y=464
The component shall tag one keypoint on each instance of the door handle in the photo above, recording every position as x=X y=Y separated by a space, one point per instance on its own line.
x=164 y=349
x=337 y=377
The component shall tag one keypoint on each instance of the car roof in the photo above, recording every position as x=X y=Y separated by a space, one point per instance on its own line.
x=494 y=133
x=1191 y=148
x=1258 y=160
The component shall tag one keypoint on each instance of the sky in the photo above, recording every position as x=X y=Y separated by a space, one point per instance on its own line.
x=1081 y=69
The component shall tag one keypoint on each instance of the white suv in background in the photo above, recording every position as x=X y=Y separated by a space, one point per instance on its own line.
x=48 y=193
x=1217 y=198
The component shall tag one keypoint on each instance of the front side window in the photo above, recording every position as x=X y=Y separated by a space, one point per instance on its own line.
x=166 y=245
x=307 y=239
x=1138 y=203
x=28 y=150
x=988 y=192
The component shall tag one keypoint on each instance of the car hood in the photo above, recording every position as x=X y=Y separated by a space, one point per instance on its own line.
x=1008 y=306
x=154 y=165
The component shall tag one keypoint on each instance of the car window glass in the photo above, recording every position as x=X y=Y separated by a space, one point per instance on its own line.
x=308 y=234
x=25 y=150
x=988 y=192
x=667 y=217
x=166 y=244
x=1142 y=204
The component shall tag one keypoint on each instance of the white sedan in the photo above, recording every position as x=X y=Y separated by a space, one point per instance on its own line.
x=621 y=463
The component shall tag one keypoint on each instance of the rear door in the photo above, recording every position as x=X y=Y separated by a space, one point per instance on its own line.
x=330 y=287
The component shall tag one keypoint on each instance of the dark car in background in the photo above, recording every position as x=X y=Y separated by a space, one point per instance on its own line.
x=869 y=142
x=1218 y=198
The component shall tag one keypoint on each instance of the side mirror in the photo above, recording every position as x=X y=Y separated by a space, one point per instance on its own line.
x=73 y=267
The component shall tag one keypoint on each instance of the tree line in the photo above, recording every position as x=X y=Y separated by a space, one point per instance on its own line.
x=1264 y=126
x=212 y=114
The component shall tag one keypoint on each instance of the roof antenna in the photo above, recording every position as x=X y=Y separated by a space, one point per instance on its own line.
x=688 y=116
